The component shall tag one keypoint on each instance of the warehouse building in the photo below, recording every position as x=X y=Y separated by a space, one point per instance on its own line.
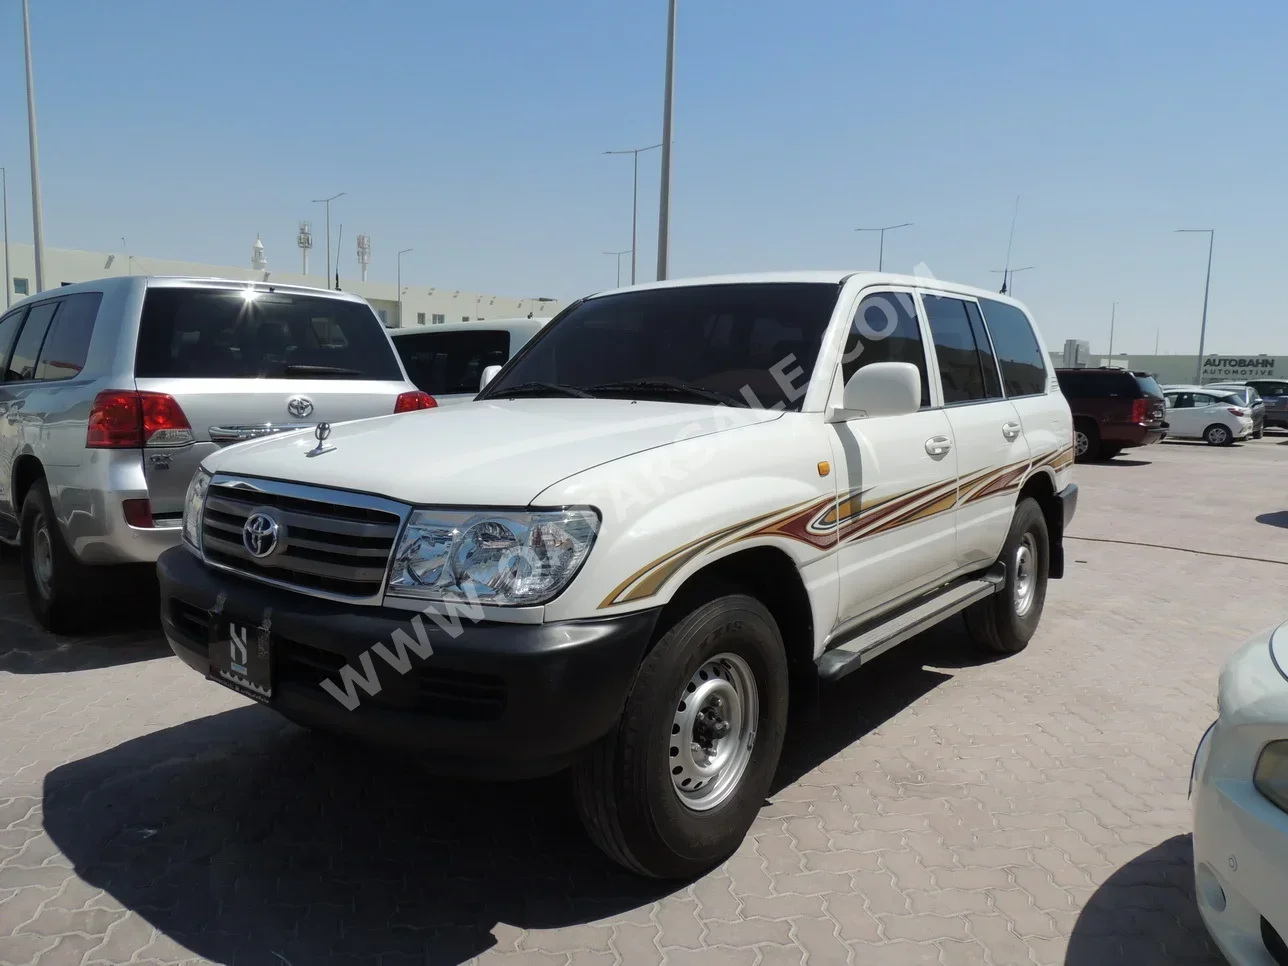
x=1179 y=370
x=420 y=305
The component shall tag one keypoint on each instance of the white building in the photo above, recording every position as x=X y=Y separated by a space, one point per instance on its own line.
x=421 y=304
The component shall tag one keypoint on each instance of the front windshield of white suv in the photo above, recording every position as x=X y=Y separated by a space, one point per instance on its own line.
x=735 y=344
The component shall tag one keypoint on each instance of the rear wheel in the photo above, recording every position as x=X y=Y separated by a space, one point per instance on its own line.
x=1218 y=435
x=60 y=589
x=1005 y=622
x=1086 y=441
x=674 y=788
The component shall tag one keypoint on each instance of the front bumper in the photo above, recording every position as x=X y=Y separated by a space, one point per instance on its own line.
x=493 y=700
x=1240 y=837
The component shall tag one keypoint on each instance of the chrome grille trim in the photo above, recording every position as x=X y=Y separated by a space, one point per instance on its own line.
x=338 y=544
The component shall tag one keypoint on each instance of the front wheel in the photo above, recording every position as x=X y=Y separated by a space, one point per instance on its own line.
x=674 y=788
x=1218 y=435
x=1005 y=622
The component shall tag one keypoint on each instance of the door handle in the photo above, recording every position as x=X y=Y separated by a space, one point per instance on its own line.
x=1011 y=430
x=938 y=445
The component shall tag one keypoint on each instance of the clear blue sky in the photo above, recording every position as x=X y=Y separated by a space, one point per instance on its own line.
x=473 y=132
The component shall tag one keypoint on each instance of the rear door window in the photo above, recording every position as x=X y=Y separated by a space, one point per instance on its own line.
x=447 y=363
x=1024 y=370
x=254 y=334
x=22 y=365
x=67 y=344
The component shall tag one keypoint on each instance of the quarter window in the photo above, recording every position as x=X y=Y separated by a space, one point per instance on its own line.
x=961 y=362
x=885 y=329
x=22 y=367
x=1024 y=370
x=67 y=344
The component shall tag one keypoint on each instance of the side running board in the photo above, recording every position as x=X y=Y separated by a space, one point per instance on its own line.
x=857 y=651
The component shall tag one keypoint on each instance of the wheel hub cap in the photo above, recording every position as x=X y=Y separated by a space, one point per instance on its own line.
x=42 y=558
x=1080 y=443
x=713 y=732
x=1025 y=574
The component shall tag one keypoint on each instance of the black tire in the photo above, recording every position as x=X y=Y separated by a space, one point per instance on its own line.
x=996 y=624
x=1086 y=429
x=65 y=599
x=625 y=794
x=1218 y=435
x=1259 y=433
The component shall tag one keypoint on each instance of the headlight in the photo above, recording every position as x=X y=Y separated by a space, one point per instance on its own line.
x=193 y=504
x=510 y=559
x=1271 y=774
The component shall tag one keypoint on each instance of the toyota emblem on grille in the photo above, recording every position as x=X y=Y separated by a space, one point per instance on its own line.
x=299 y=406
x=261 y=534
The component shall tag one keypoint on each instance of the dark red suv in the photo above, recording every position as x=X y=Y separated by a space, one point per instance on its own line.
x=1113 y=409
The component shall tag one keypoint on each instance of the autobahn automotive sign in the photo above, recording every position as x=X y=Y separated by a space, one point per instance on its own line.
x=1244 y=367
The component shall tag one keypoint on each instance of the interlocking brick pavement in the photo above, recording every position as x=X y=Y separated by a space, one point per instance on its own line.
x=942 y=809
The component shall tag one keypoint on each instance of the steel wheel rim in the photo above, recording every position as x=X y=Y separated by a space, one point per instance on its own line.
x=1218 y=435
x=713 y=732
x=1080 y=442
x=1026 y=578
x=42 y=558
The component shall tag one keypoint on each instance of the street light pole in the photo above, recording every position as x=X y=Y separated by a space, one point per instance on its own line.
x=1207 y=286
x=1113 y=314
x=400 y=255
x=881 y=250
x=668 y=104
x=37 y=217
x=635 y=201
x=618 y=256
x=1008 y=277
x=4 y=194
x=327 y=202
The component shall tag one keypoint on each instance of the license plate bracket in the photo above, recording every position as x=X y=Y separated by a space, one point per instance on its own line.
x=241 y=656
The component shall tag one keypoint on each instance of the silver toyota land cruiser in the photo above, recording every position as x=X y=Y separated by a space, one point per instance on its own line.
x=112 y=392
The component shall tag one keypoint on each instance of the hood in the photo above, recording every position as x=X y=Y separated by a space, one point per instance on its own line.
x=490 y=453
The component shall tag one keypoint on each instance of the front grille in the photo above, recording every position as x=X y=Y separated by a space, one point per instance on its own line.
x=335 y=548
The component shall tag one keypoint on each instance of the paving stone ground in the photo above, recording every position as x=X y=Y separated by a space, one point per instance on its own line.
x=943 y=809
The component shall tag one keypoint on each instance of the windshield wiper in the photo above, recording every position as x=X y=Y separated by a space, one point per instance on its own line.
x=540 y=389
x=305 y=370
x=669 y=388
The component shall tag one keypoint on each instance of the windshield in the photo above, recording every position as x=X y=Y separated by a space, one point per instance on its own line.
x=751 y=344
x=447 y=363
x=1149 y=385
x=222 y=334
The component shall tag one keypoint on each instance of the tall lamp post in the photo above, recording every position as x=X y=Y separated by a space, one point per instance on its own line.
x=4 y=194
x=635 y=200
x=327 y=202
x=1207 y=286
x=37 y=217
x=1113 y=316
x=618 y=256
x=668 y=105
x=881 y=250
x=400 y=255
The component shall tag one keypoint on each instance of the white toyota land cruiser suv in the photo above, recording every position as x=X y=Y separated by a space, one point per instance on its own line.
x=676 y=502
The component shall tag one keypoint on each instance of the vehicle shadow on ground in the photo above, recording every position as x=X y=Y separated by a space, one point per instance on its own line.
x=1145 y=914
x=126 y=631
x=1119 y=461
x=1277 y=519
x=246 y=839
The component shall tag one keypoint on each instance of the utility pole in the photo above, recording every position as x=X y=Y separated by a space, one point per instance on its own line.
x=327 y=202
x=635 y=202
x=400 y=255
x=37 y=216
x=881 y=250
x=1113 y=314
x=1207 y=286
x=4 y=193
x=668 y=104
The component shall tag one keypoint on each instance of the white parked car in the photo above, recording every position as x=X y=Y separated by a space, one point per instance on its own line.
x=677 y=502
x=452 y=356
x=1239 y=797
x=1213 y=415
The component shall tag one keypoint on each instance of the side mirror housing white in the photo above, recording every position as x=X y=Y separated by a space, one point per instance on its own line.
x=488 y=375
x=881 y=389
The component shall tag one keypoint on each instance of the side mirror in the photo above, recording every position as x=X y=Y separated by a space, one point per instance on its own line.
x=881 y=389
x=488 y=375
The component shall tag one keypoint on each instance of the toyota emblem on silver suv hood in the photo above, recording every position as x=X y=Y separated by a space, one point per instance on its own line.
x=260 y=534
x=299 y=406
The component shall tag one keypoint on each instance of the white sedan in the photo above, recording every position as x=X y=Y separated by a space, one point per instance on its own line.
x=1214 y=415
x=1239 y=796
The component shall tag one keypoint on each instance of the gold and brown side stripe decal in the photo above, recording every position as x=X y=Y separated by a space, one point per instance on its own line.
x=827 y=521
